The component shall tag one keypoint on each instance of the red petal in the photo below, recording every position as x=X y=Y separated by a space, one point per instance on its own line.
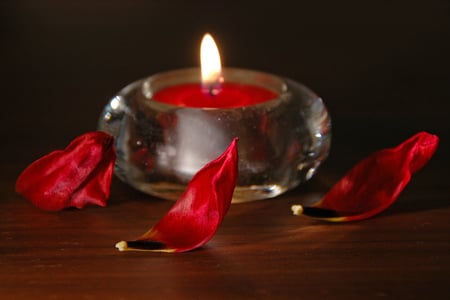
x=374 y=183
x=73 y=177
x=195 y=217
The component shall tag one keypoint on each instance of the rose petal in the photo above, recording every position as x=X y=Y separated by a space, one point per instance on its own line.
x=195 y=217
x=73 y=177
x=373 y=184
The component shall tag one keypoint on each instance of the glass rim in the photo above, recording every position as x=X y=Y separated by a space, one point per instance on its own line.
x=147 y=86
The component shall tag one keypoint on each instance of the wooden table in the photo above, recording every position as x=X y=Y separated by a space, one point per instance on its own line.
x=383 y=72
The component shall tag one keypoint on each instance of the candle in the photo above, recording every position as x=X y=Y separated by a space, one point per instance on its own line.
x=213 y=92
x=231 y=95
x=169 y=125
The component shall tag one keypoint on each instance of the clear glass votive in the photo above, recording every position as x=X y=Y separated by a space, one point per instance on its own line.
x=161 y=146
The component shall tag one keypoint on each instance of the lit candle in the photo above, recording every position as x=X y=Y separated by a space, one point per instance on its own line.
x=171 y=124
x=215 y=91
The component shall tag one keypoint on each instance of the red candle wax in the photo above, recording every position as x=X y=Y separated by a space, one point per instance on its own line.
x=231 y=95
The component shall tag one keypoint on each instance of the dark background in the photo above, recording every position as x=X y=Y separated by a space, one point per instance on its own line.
x=383 y=70
x=381 y=66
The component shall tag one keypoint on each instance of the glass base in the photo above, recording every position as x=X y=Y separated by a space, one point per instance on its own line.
x=160 y=146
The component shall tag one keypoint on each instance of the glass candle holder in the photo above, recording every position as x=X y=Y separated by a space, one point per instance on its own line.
x=161 y=146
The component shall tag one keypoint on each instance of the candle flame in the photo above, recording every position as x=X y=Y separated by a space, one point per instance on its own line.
x=210 y=64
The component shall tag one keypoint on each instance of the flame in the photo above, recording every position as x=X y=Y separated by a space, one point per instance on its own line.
x=210 y=63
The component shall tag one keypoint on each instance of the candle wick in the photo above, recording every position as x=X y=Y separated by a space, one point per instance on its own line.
x=214 y=88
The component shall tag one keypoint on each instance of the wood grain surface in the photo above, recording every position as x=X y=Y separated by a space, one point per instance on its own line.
x=382 y=70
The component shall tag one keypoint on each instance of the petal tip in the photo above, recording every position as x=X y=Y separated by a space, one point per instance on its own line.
x=122 y=246
x=297 y=209
x=318 y=213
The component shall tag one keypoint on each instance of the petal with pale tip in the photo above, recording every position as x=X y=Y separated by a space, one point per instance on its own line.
x=195 y=217
x=373 y=184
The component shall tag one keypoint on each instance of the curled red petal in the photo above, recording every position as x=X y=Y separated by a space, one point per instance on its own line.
x=195 y=217
x=73 y=177
x=373 y=184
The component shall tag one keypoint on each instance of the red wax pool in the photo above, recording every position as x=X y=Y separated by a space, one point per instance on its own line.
x=231 y=95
